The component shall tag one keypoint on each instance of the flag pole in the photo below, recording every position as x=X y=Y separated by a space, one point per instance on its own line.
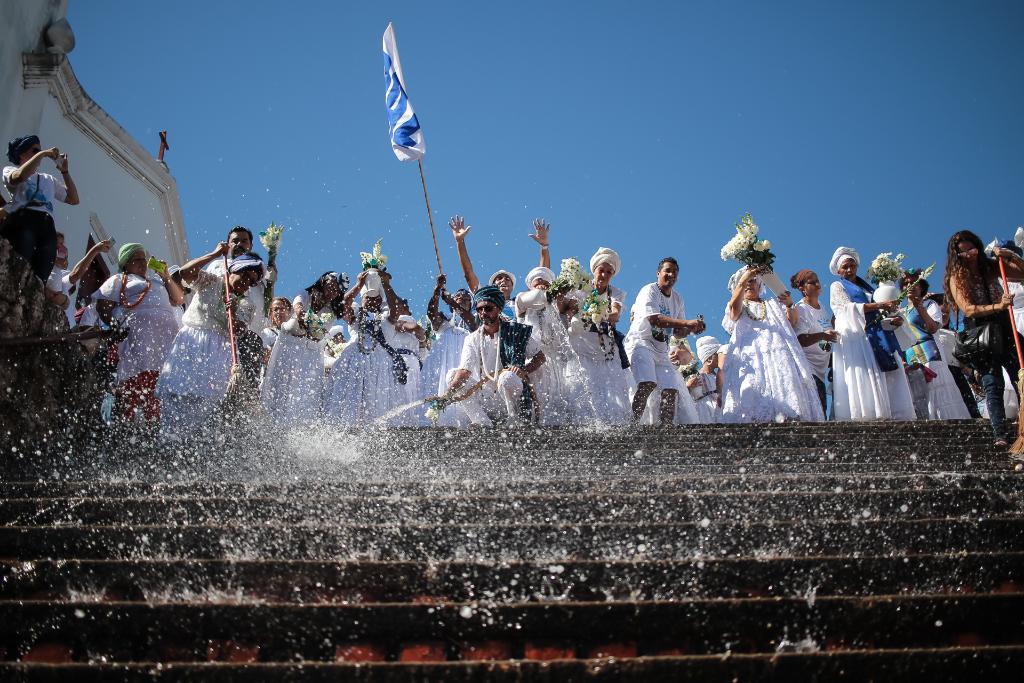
x=430 y=217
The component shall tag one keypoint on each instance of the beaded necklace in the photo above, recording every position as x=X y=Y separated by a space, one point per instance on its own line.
x=756 y=316
x=493 y=378
x=124 y=292
x=366 y=329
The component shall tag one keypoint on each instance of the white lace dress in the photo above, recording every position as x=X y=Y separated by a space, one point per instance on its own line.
x=860 y=390
x=152 y=323
x=606 y=384
x=767 y=377
x=444 y=355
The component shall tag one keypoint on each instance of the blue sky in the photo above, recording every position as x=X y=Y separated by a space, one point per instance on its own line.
x=648 y=127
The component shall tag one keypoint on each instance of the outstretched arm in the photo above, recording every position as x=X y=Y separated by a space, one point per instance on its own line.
x=540 y=236
x=190 y=271
x=79 y=270
x=390 y=296
x=435 y=298
x=459 y=231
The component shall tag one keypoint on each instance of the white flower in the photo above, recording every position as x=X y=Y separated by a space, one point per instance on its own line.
x=767 y=244
x=759 y=246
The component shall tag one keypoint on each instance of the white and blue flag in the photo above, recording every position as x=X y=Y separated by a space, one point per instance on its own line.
x=403 y=126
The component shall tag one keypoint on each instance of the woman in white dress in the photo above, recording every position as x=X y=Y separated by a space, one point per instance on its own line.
x=195 y=374
x=551 y=381
x=280 y=311
x=767 y=378
x=380 y=368
x=293 y=385
x=868 y=379
x=814 y=329
x=144 y=302
x=599 y=347
x=923 y=320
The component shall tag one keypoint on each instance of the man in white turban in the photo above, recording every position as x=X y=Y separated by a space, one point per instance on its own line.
x=705 y=386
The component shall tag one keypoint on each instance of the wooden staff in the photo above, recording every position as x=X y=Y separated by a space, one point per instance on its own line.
x=430 y=217
x=231 y=316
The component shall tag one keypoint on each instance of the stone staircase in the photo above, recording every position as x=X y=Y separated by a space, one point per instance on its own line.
x=780 y=552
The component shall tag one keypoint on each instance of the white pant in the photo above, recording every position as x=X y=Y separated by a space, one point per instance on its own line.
x=486 y=402
x=648 y=366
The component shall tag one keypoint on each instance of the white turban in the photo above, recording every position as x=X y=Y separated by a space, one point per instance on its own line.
x=605 y=255
x=842 y=253
x=496 y=273
x=734 y=279
x=707 y=347
x=335 y=331
x=540 y=273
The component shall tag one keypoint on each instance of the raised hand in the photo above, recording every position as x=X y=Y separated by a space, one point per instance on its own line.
x=459 y=228
x=441 y=280
x=540 y=231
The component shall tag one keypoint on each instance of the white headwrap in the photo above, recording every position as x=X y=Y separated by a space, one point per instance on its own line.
x=707 y=347
x=334 y=331
x=605 y=255
x=540 y=273
x=734 y=279
x=496 y=273
x=842 y=253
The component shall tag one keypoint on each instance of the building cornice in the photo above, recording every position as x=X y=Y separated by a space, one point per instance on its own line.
x=54 y=72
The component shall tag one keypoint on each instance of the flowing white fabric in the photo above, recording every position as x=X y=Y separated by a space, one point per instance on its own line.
x=393 y=394
x=293 y=384
x=767 y=377
x=686 y=410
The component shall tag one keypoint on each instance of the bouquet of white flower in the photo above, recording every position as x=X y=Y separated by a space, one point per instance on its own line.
x=746 y=247
x=317 y=324
x=595 y=308
x=886 y=268
x=374 y=259
x=271 y=240
x=572 y=276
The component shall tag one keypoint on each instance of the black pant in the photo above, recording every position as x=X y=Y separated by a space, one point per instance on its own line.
x=965 y=391
x=34 y=237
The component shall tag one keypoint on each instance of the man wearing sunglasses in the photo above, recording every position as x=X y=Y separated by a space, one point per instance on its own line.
x=498 y=359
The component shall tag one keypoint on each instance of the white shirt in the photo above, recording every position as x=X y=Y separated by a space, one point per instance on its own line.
x=650 y=301
x=36 y=193
x=814 y=321
x=480 y=353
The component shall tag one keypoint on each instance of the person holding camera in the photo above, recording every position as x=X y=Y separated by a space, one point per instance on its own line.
x=29 y=225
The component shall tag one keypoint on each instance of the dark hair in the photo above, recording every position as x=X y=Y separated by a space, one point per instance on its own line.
x=912 y=275
x=801 y=277
x=668 y=259
x=337 y=305
x=955 y=270
x=241 y=228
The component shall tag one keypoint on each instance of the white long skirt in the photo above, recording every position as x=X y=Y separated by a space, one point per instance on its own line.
x=293 y=385
x=686 y=409
x=193 y=380
x=150 y=338
x=198 y=364
x=607 y=385
x=443 y=357
x=705 y=401
x=365 y=390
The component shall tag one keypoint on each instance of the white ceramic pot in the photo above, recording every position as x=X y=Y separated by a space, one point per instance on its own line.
x=535 y=299
x=372 y=286
x=885 y=292
x=770 y=280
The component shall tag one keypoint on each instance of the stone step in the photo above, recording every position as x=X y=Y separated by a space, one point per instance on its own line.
x=131 y=631
x=508 y=542
x=529 y=508
x=1002 y=481
x=231 y=581
x=993 y=664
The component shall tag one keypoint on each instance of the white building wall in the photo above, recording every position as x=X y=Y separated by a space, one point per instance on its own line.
x=125 y=193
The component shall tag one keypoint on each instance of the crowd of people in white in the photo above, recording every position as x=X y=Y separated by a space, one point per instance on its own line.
x=351 y=353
